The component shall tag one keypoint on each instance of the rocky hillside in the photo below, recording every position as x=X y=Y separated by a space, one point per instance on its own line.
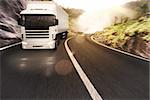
x=132 y=36
x=9 y=14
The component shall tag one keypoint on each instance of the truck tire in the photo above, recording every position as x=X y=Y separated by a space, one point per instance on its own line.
x=55 y=46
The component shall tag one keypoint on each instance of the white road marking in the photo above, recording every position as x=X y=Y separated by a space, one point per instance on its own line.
x=9 y=46
x=129 y=54
x=92 y=91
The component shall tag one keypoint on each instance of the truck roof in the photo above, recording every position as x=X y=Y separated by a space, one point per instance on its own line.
x=42 y=11
x=40 y=7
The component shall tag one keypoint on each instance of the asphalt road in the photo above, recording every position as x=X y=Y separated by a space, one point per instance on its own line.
x=49 y=74
x=115 y=76
x=39 y=75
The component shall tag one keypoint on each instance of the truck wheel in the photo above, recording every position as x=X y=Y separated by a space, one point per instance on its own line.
x=55 y=46
x=57 y=42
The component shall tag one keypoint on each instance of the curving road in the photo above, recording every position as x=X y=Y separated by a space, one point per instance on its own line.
x=115 y=76
x=49 y=74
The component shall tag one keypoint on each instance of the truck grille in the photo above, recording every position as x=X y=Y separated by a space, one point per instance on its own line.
x=37 y=33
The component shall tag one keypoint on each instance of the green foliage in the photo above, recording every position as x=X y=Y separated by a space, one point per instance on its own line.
x=146 y=37
x=117 y=35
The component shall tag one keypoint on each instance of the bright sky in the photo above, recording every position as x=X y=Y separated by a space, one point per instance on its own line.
x=90 y=5
x=98 y=11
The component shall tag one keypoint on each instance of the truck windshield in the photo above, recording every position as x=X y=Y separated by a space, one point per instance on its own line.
x=39 y=22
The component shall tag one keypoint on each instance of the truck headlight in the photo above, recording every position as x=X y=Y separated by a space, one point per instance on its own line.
x=25 y=43
x=52 y=42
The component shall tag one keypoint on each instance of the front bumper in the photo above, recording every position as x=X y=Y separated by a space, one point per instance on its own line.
x=39 y=45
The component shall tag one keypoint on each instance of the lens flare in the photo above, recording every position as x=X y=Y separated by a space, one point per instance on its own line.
x=64 y=67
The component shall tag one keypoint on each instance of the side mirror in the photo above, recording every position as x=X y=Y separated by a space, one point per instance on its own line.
x=21 y=21
x=56 y=21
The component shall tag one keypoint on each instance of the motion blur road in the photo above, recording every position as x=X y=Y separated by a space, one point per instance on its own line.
x=49 y=74
x=39 y=75
x=115 y=76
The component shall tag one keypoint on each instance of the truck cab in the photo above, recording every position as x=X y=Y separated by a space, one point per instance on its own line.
x=41 y=23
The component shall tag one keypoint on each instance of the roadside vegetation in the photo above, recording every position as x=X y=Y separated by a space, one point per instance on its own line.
x=129 y=35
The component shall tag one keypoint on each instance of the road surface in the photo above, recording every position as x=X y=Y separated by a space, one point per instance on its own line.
x=49 y=74
x=39 y=75
x=115 y=76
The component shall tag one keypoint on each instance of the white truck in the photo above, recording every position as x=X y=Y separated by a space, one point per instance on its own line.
x=42 y=22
